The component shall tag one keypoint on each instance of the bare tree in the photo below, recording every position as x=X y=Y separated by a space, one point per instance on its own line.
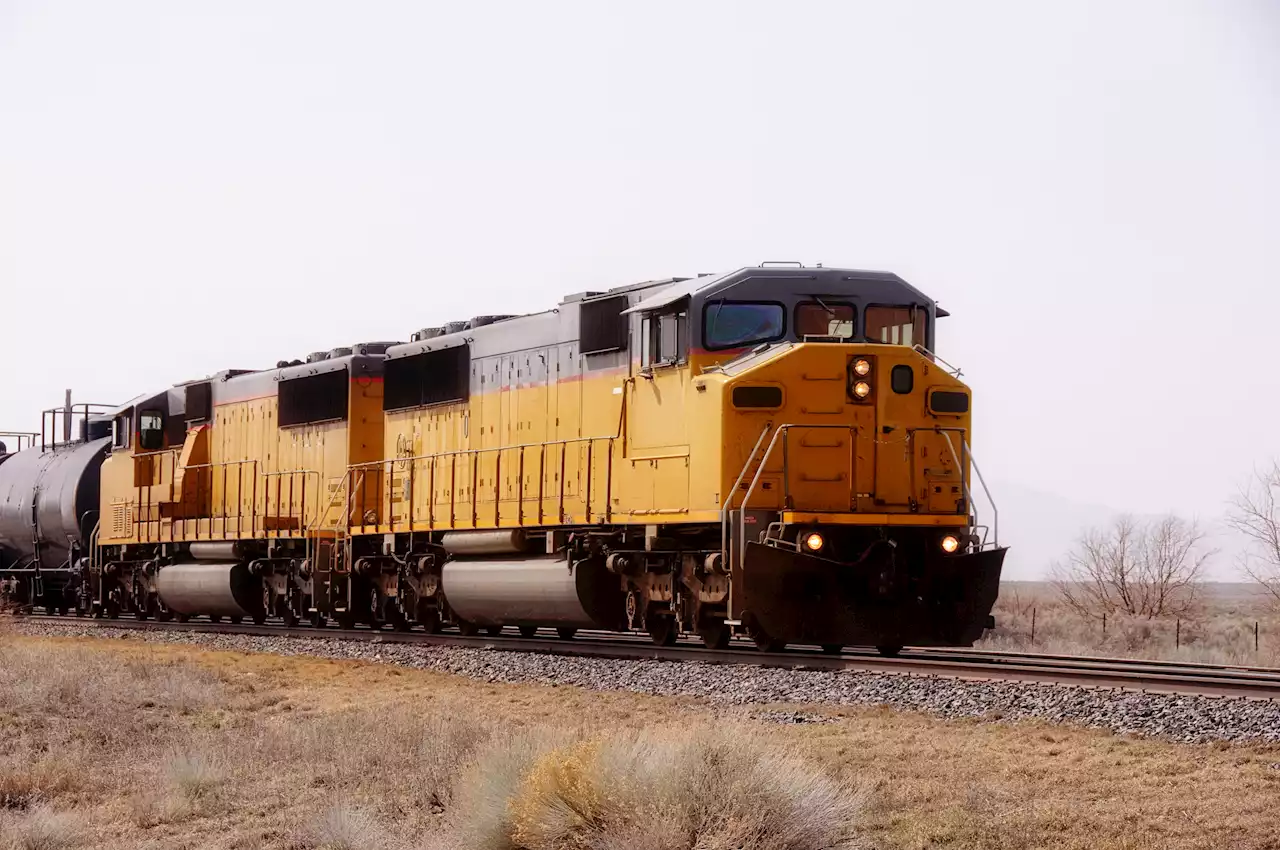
x=1255 y=513
x=1145 y=569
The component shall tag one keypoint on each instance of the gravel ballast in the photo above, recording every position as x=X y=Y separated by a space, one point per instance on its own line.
x=1190 y=719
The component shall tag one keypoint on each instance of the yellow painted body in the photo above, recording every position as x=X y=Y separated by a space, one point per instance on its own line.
x=622 y=446
x=242 y=477
x=667 y=446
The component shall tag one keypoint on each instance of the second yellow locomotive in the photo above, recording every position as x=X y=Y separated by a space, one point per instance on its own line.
x=775 y=451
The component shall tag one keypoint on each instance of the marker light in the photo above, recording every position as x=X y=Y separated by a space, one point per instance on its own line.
x=862 y=389
x=950 y=543
x=813 y=541
x=862 y=368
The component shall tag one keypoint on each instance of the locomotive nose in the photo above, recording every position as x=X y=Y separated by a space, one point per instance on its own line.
x=802 y=597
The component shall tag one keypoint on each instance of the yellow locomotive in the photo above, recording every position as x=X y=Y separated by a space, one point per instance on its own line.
x=774 y=452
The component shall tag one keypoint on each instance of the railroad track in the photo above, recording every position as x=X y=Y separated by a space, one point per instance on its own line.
x=983 y=665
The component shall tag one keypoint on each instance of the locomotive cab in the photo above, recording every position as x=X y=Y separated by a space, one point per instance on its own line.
x=848 y=501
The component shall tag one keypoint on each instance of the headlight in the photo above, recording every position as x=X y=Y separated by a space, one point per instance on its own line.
x=861 y=367
x=950 y=543
x=862 y=389
x=813 y=541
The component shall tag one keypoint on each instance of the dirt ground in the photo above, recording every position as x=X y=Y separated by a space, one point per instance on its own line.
x=119 y=744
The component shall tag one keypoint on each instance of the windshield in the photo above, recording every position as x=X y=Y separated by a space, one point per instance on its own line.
x=734 y=324
x=896 y=325
x=824 y=319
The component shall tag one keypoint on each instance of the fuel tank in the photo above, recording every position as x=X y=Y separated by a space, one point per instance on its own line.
x=541 y=591
x=227 y=590
x=58 y=489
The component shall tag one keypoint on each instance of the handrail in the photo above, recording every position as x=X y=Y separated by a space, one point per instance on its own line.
x=81 y=410
x=995 y=511
x=724 y=509
x=175 y=452
x=968 y=490
x=29 y=437
x=387 y=466
x=955 y=370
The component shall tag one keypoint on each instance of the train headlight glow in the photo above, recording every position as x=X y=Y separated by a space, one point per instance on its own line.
x=950 y=543
x=862 y=389
x=862 y=368
x=813 y=541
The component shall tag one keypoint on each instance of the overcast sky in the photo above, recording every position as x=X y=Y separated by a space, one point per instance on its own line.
x=1090 y=188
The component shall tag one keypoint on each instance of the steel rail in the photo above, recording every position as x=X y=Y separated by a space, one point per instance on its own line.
x=1098 y=673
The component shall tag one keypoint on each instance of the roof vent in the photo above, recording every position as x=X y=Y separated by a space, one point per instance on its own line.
x=426 y=333
x=455 y=327
x=481 y=321
x=340 y=351
x=317 y=356
x=373 y=348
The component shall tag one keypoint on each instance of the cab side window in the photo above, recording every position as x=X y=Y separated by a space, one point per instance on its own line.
x=120 y=432
x=664 y=339
x=150 y=431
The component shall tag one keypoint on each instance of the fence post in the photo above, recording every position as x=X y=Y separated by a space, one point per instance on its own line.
x=1104 y=623
x=1033 y=625
x=1255 y=635
x=1177 y=635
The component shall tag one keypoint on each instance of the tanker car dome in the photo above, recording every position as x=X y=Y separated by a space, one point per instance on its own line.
x=481 y=321
x=426 y=333
x=317 y=356
x=340 y=351
x=455 y=327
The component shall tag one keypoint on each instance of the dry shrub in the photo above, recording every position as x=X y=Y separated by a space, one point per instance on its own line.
x=41 y=828
x=701 y=790
x=196 y=777
x=482 y=815
x=344 y=828
x=26 y=777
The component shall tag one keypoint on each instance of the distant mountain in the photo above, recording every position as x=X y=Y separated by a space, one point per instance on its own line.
x=1039 y=527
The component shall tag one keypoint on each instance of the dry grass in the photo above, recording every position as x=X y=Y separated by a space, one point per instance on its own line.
x=125 y=745
x=42 y=828
x=1222 y=633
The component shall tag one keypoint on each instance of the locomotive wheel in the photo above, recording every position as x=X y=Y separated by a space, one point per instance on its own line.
x=714 y=633
x=566 y=632
x=468 y=629
x=290 y=618
x=164 y=615
x=235 y=621
x=346 y=620
x=528 y=631
x=140 y=613
x=183 y=618
x=889 y=650
x=429 y=617
x=493 y=631
x=217 y=618
x=113 y=610
x=259 y=618
x=662 y=630
x=318 y=620
x=765 y=642
x=832 y=648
